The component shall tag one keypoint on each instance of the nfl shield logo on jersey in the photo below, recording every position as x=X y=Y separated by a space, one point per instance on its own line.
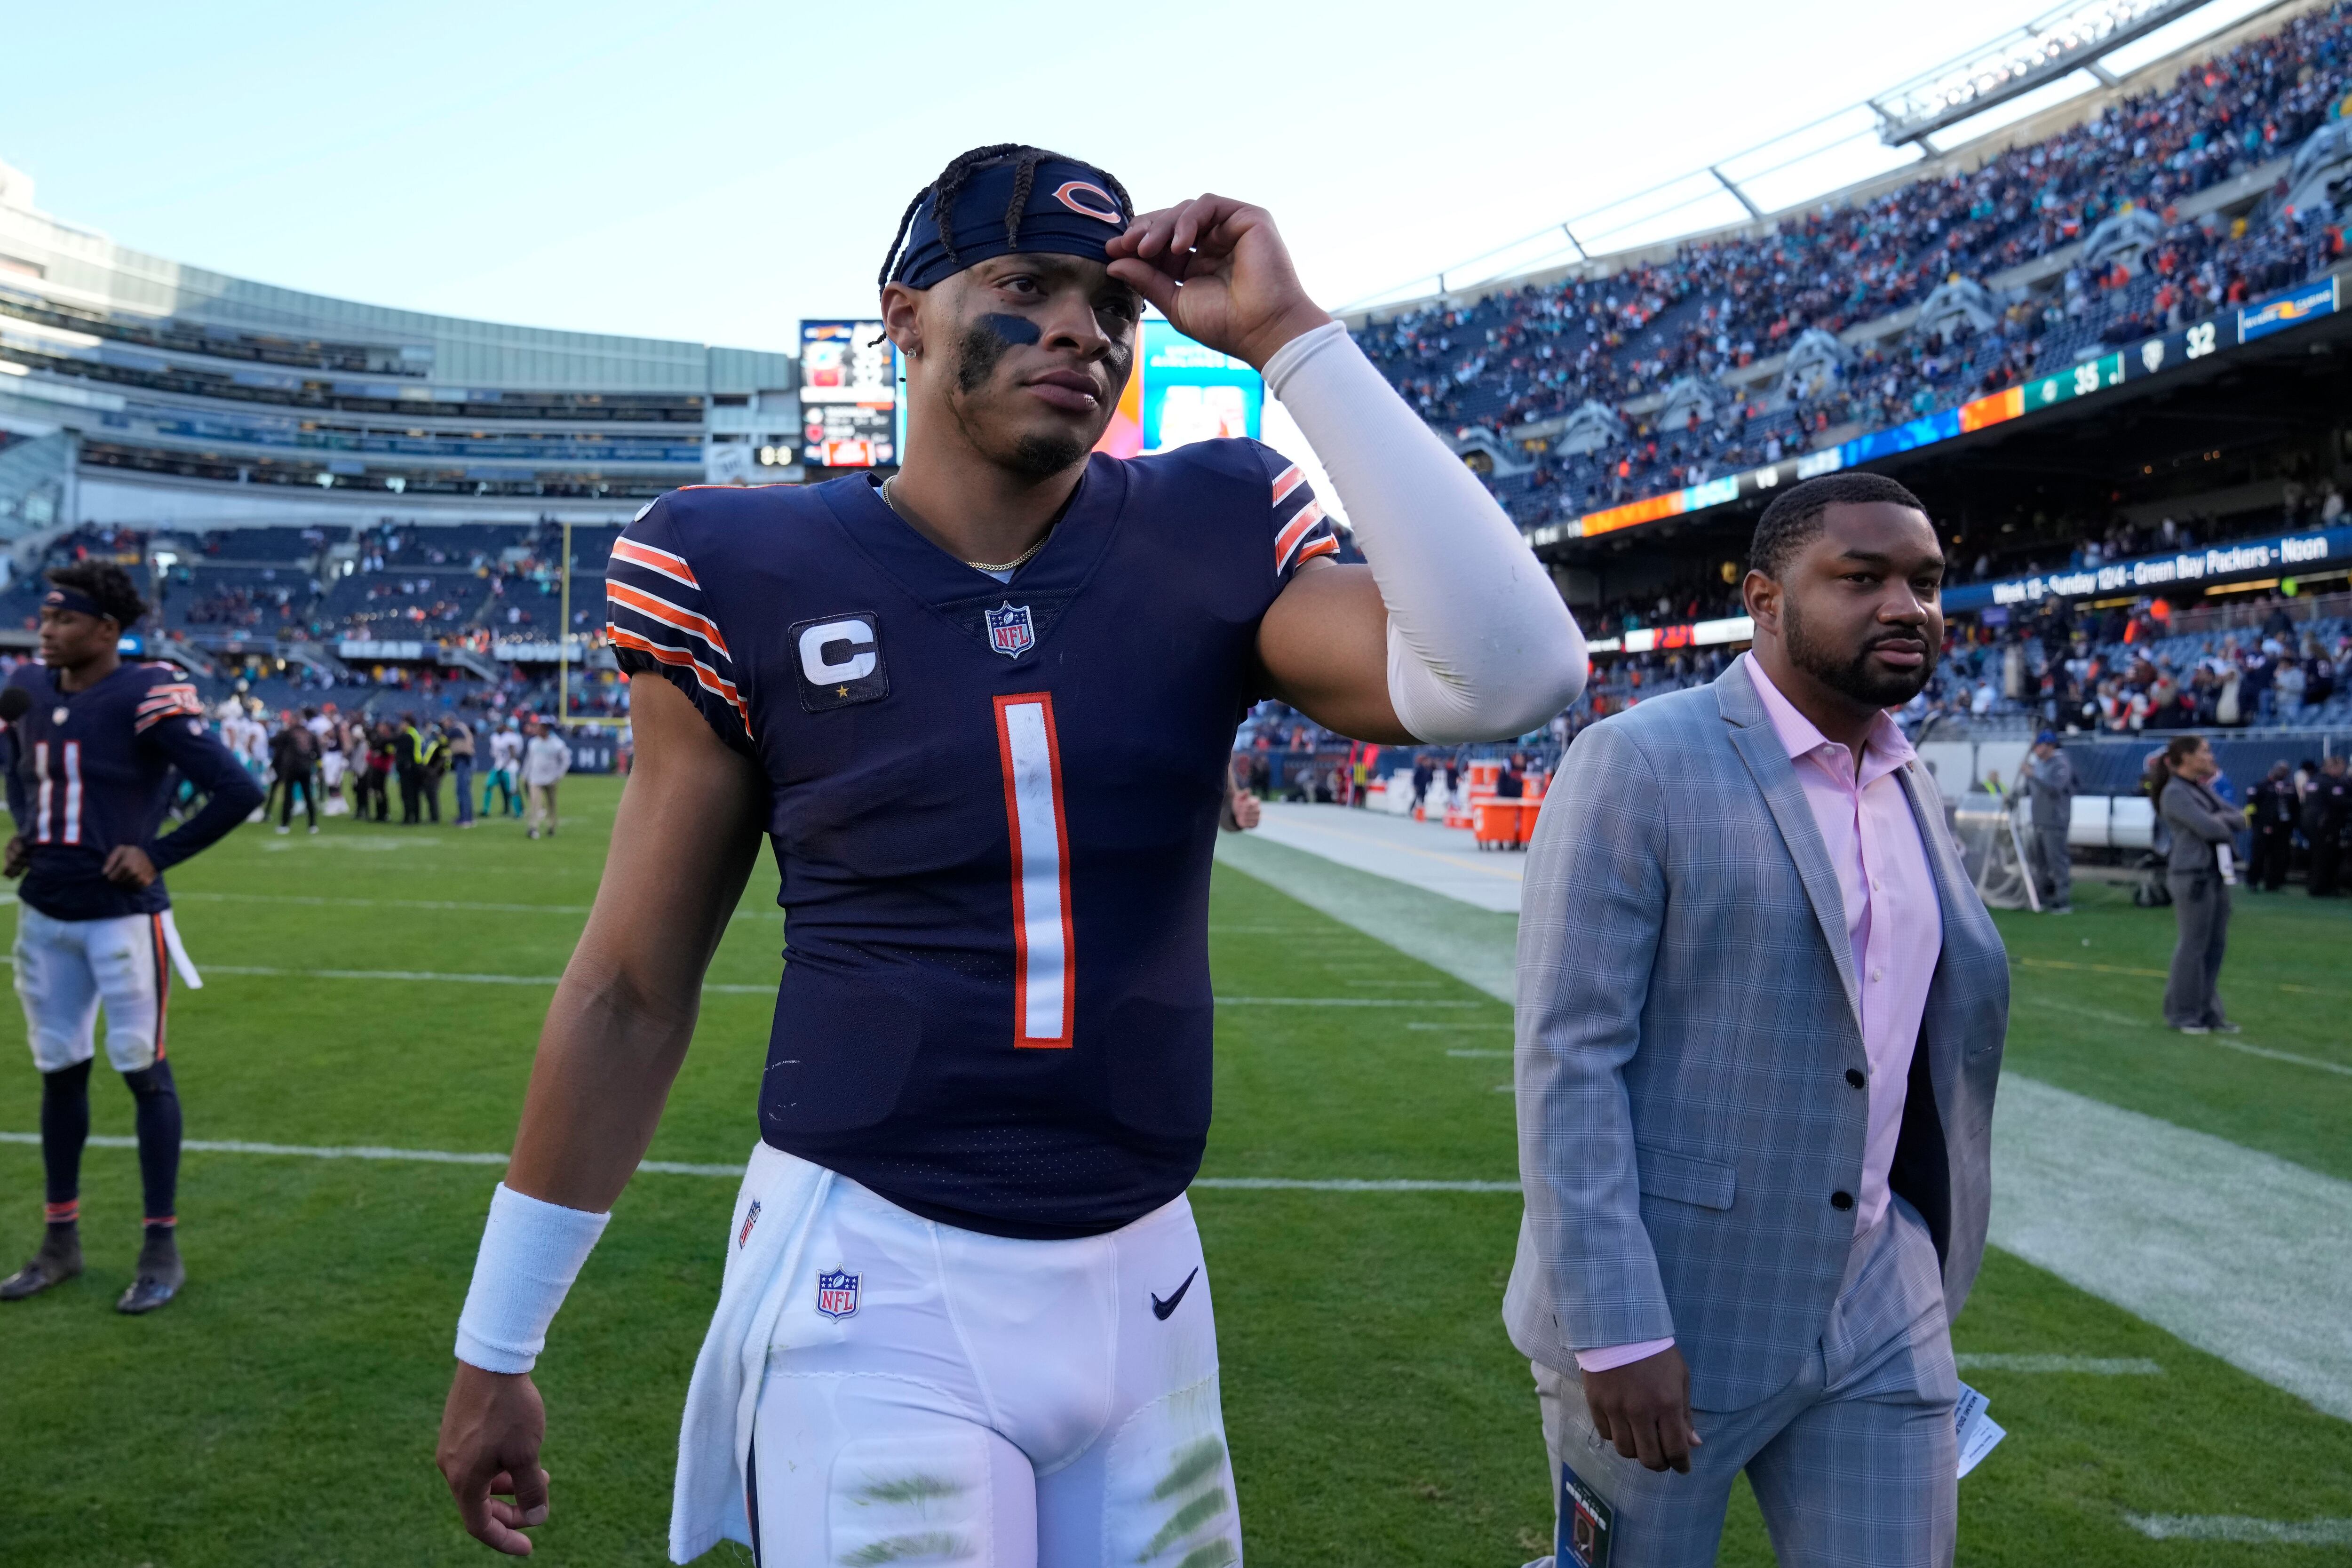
x=1010 y=632
x=837 y=1293
x=749 y=1221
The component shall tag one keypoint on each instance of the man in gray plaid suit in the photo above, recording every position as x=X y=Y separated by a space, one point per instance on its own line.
x=1760 y=1023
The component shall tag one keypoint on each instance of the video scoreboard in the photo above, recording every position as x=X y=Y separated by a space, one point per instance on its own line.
x=849 y=395
x=853 y=414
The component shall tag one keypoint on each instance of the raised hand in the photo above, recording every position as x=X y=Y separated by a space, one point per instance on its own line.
x=1218 y=269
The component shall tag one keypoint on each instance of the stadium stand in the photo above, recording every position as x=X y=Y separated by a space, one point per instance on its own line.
x=155 y=392
x=1736 y=350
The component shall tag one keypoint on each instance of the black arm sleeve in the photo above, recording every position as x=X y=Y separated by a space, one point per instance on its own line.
x=230 y=794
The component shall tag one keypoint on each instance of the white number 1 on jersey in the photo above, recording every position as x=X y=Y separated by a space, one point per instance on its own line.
x=1032 y=757
x=70 y=830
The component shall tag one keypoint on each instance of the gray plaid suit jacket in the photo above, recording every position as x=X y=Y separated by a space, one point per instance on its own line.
x=1686 y=1023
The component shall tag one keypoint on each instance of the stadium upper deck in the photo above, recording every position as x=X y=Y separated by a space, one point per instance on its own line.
x=142 y=391
x=1613 y=396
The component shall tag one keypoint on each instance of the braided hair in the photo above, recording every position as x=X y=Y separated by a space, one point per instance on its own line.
x=952 y=179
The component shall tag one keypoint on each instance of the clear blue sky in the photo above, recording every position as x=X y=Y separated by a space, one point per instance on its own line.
x=716 y=169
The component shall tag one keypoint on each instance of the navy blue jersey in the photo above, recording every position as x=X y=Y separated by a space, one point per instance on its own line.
x=993 y=806
x=90 y=769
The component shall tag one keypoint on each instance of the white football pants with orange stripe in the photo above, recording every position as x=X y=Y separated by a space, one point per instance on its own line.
x=67 y=969
x=989 y=1401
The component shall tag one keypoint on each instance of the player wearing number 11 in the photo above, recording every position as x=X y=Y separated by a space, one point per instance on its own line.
x=982 y=712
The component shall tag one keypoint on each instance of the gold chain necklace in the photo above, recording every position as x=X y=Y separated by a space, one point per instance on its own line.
x=1013 y=565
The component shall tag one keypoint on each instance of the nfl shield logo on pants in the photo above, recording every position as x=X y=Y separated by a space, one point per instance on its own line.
x=1009 y=629
x=837 y=1293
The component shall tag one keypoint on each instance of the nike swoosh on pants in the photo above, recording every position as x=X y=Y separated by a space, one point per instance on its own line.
x=1160 y=1308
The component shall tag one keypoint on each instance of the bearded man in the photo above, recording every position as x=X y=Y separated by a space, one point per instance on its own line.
x=1760 y=1021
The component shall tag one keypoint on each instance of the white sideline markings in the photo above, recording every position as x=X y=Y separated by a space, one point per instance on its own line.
x=267 y=972
x=264 y=972
x=683 y=1168
x=2234 y=1527
x=435 y=976
x=1341 y=1002
x=1344 y=1185
x=1417 y=1025
x=441 y=905
x=1458 y=1052
x=2088 y=1366
x=2267 y=1052
x=2170 y=1225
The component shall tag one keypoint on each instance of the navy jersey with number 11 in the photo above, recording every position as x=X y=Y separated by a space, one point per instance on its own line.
x=993 y=806
x=89 y=770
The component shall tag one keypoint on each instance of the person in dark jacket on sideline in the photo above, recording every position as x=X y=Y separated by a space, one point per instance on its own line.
x=2201 y=872
x=2270 y=811
x=2326 y=808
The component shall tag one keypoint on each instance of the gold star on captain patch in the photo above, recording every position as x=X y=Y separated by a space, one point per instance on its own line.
x=841 y=691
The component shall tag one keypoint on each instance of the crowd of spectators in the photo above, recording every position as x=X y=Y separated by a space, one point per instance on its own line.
x=457 y=588
x=2113 y=672
x=1537 y=352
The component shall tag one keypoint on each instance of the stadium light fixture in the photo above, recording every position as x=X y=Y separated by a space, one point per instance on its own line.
x=2056 y=44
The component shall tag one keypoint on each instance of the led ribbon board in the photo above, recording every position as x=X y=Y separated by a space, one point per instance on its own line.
x=2155 y=355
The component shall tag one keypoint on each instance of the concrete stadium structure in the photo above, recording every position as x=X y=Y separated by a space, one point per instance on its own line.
x=137 y=391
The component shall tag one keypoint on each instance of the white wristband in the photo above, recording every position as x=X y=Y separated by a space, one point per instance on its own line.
x=531 y=1252
x=1480 y=646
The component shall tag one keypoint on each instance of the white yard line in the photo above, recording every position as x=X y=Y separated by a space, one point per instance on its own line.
x=2230 y=1527
x=443 y=905
x=1342 y=1002
x=2228 y=1043
x=2086 y=1365
x=438 y=977
x=735 y=1172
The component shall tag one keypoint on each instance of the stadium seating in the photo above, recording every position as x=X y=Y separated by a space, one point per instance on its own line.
x=1676 y=334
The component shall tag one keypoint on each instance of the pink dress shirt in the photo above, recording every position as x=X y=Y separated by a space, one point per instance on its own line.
x=1892 y=923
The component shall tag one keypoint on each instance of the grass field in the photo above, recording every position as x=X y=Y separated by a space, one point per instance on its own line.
x=283 y=1411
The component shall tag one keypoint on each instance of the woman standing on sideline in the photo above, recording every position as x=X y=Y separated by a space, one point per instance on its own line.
x=2202 y=870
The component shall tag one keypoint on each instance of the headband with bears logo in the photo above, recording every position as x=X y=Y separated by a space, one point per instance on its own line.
x=1011 y=203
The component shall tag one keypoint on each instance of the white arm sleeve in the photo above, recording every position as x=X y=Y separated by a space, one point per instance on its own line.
x=1481 y=646
x=531 y=1252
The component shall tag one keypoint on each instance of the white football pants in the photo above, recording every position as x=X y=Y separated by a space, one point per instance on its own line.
x=65 y=969
x=989 y=1401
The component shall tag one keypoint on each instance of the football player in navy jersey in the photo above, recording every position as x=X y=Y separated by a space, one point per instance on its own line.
x=91 y=747
x=982 y=712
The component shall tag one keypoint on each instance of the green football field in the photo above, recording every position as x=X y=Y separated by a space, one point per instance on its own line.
x=377 y=987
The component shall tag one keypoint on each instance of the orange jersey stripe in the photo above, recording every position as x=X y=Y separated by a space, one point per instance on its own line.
x=1298 y=527
x=674 y=567
x=1289 y=480
x=670 y=614
x=707 y=677
x=1320 y=547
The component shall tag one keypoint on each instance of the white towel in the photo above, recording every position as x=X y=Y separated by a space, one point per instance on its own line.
x=763 y=1267
x=179 y=959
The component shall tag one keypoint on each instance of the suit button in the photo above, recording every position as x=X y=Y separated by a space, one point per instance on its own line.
x=1853 y=1075
x=1840 y=1201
